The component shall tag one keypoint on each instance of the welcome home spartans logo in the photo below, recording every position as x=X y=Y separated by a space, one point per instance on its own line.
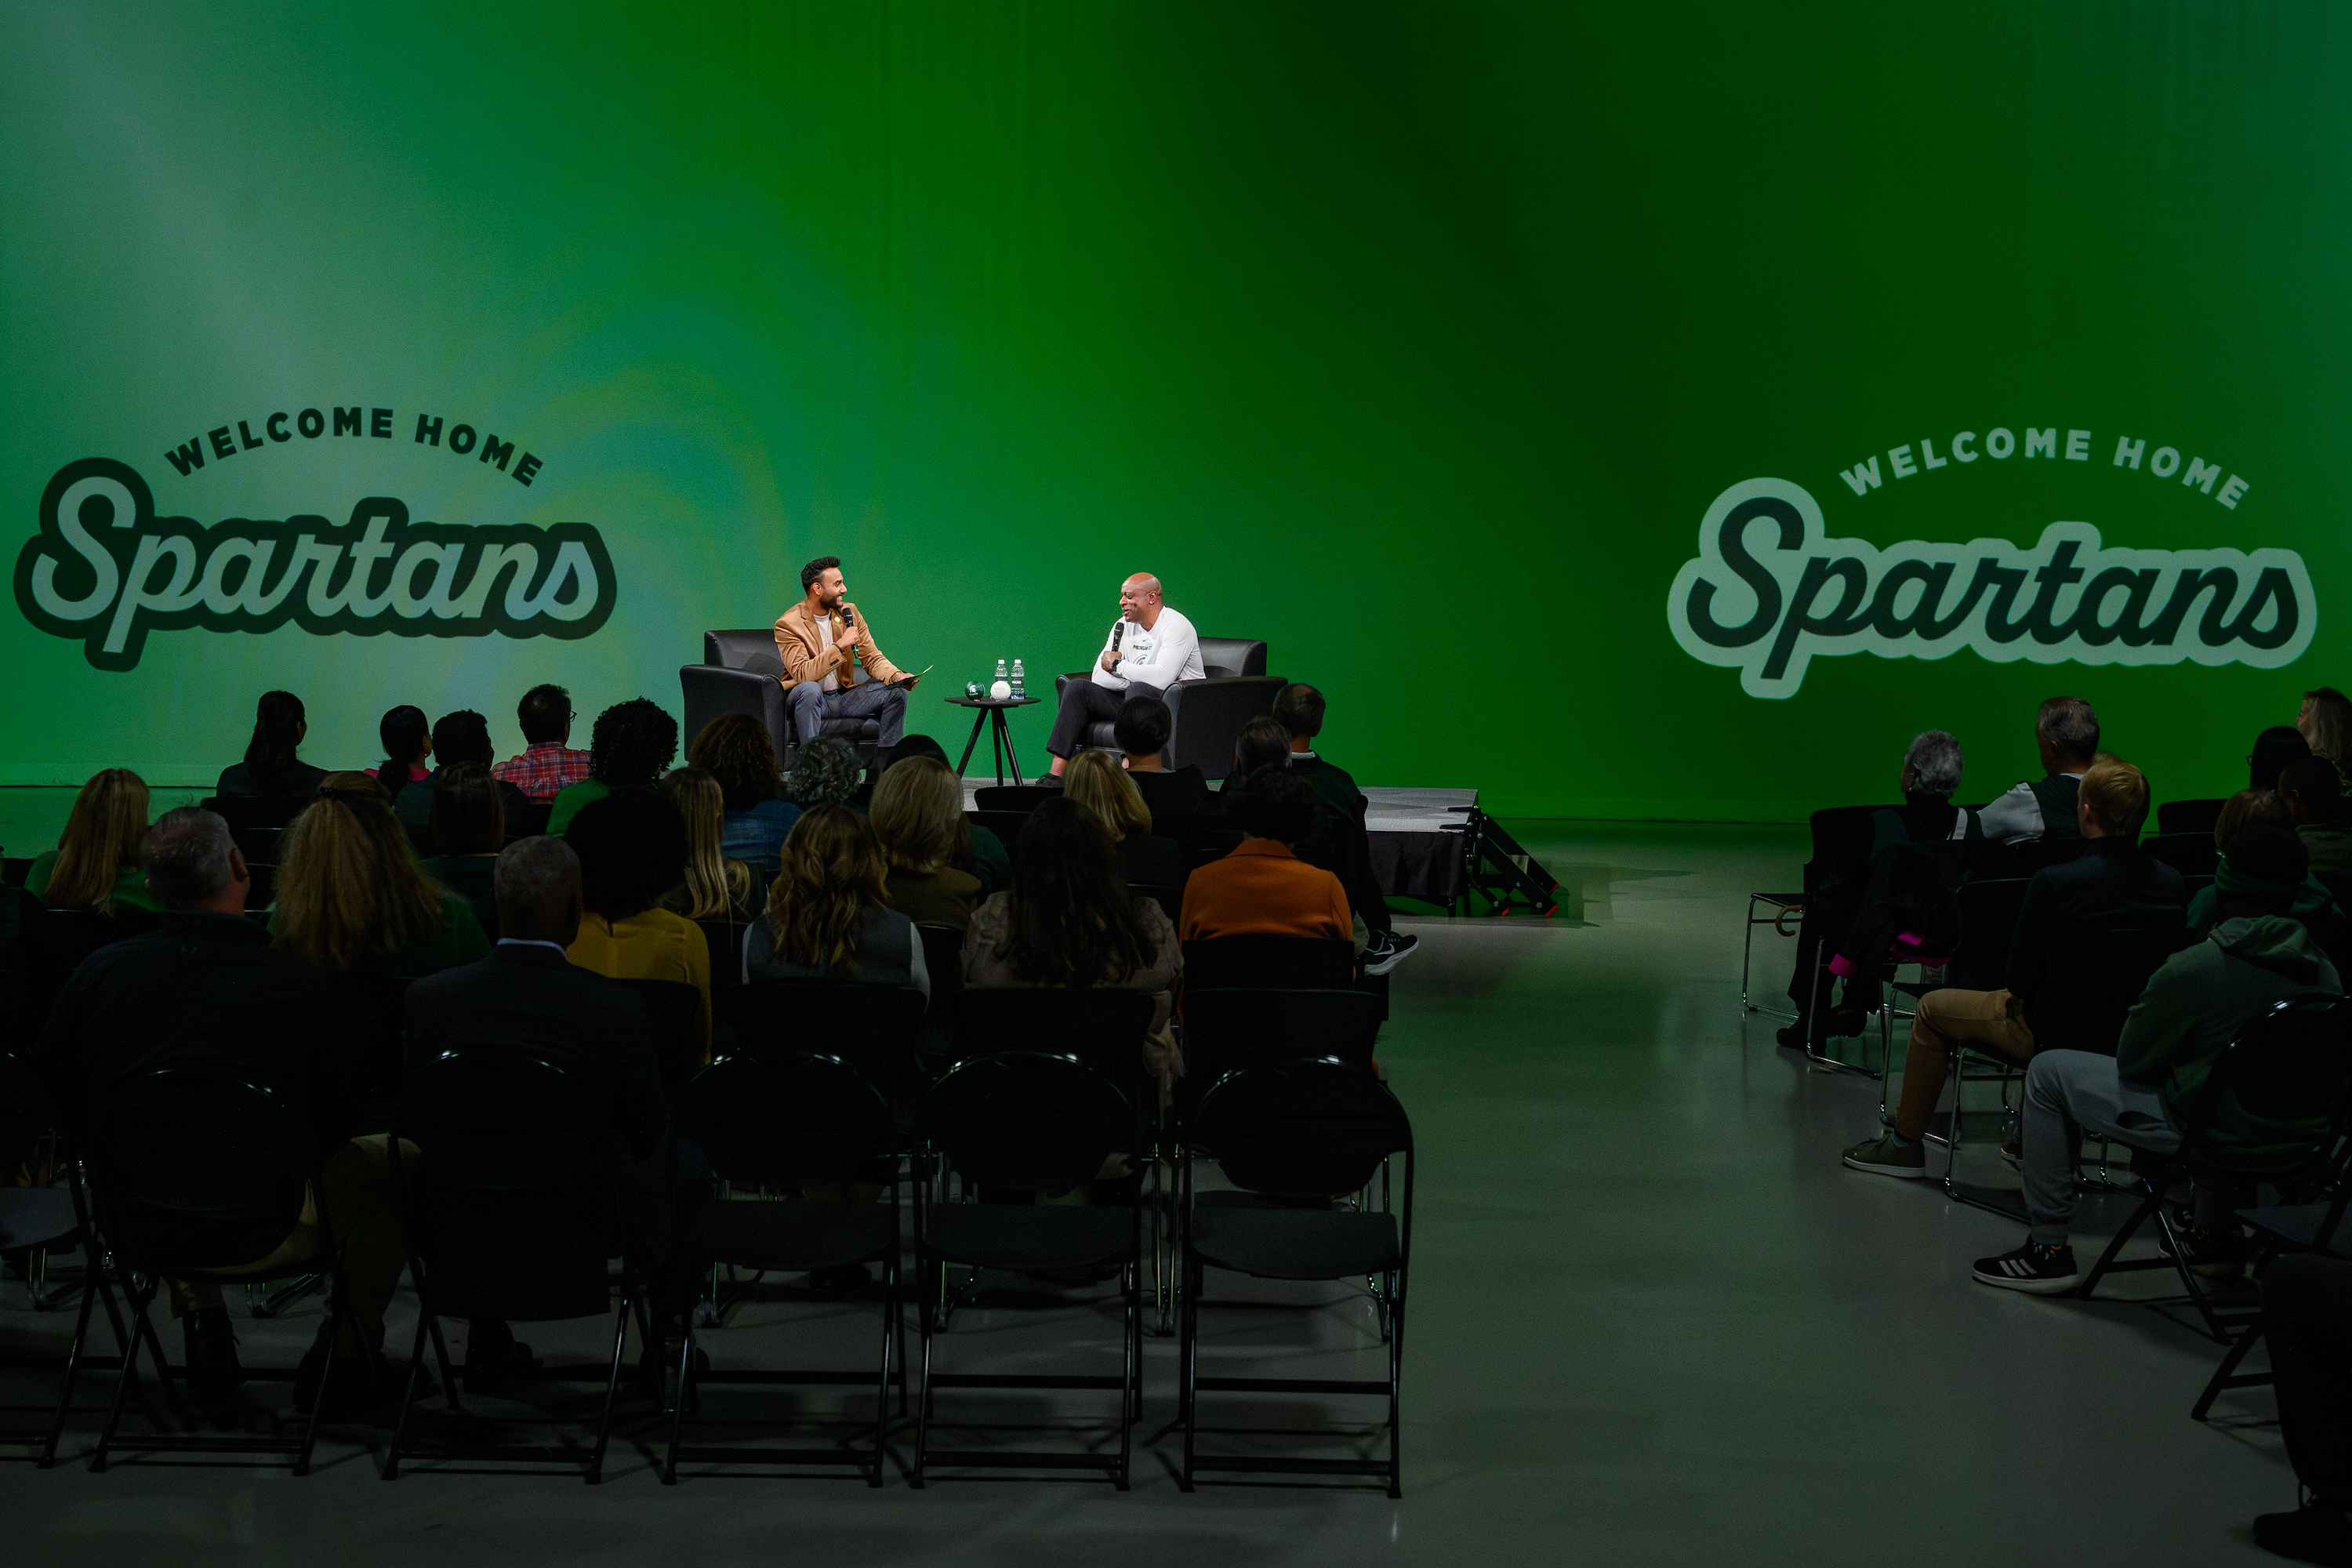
x=1770 y=592
x=105 y=570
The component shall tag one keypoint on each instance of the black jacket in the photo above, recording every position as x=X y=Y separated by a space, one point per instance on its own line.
x=1183 y=793
x=203 y=991
x=296 y=783
x=2110 y=886
x=414 y=805
x=532 y=999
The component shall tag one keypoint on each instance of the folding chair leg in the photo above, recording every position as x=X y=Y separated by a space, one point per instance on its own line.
x=408 y=1393
x=2226 y=1375
x=2215 y=1329
x=2129 y=1228
x=1188 y=1363
x=924 y=1270
x=1396 y=1391
x=136 y=1309
x=613 y=1392
x=882 y=1382
x=49 y=1455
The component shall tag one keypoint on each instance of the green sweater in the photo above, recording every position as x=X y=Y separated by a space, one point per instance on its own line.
x=2202 y=999
x=568 y=802
x=130 y=883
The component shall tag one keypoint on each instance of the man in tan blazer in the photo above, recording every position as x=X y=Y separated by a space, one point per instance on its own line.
x=822 y=641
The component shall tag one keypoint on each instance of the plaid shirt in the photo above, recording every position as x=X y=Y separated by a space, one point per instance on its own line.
x=542 y=770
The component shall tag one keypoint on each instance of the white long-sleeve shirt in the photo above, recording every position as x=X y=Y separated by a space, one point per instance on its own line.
x=1159 y=658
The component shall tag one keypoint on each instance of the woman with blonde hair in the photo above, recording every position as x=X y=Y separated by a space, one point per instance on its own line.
x=826 y=918
x=716 y=886
x=351 y=896
x=96 y=862
x=918 y=820
x=2324 y=721
x=1097 y=783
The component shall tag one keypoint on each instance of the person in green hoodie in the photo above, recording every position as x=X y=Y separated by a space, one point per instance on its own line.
x=2256 y=957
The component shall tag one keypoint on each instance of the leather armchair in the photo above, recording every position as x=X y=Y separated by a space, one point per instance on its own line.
x=740 y=673
x=1206 y=715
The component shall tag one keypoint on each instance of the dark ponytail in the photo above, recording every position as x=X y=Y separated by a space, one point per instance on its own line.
x=277 y=723
x=404 y=733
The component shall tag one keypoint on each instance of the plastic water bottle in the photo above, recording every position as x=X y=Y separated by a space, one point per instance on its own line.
x=1019 y=681
x=1001 y=674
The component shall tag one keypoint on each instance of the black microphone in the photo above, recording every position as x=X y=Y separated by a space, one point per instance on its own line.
x=849 y=617
x=1117 y=630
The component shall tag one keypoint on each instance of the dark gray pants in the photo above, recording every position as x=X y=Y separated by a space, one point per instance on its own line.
x=1084 y=705
x=812 y=705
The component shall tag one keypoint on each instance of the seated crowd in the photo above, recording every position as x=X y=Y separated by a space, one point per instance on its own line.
x=2116 y=992
x=558 y=900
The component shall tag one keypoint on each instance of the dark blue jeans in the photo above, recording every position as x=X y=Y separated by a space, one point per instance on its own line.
x=812 y=705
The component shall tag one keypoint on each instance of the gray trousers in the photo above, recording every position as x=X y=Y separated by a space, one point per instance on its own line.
x=2068 y=1093
x=811 y=705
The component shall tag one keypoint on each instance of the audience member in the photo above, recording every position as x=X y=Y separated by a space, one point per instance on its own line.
x=827 y=916
x=214 y=997
x=469 y=829
x=1842 y=885
x=737 y=749
x=1261 y=888
x=96 y=862
x=2324 y=721
x=526 y=996
x=1069 y=921
x=548 y=766
x=716 y=887
x=1141 y=730
x=2111 y=886
x=2196 y=1004
x=1095 y=782
x=270 y=767
x=407 y=744
x=629 y=748
x=2273 y=749
x=918 y=822
x=2066 y=734
x=824 y=773
x=352 y=897
x=461 y=738
x=2308 y=789
x=1340 y=844
x=2246 y=809
x=989 y=860
x=2307 y=1322
x=1263 y=742
x=632 y=849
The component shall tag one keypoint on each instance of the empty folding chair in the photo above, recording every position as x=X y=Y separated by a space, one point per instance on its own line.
x=510 y=1212
x=1026 y=1123
x=189 y=1173
x=784 y=1125
x=1288 y=1134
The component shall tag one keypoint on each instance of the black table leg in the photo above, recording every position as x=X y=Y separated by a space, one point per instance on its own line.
x=977 y=719
x=1011 y=755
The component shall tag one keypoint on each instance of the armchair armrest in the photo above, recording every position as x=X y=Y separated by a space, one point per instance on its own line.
x=1208 y=716
x=711 y=689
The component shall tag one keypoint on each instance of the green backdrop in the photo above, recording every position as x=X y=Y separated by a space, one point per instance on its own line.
x=1417 y=339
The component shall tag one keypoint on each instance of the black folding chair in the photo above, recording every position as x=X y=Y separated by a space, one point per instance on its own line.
x=245 y=812
x=943 y=957
x=2286 y=1079
x=2279 y=1230
x=782 y=1123
x=1269 y=962
x=2190 y=853
x=1026 y=1122
x=377 y=1012
x=672 y=1006
x=2189 y=817
x=189 y=1171
x=873 y=1028
x=724 y=939
x=1285 y=1133
x=1238 y=1027
x=1100 y=1026
x=1005 y=825
x=511 y=1213
x=1014 y=800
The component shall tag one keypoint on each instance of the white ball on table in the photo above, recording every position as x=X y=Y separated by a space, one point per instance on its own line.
x=1000 y=691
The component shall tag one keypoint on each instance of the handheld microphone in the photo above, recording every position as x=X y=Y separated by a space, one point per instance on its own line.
x=849 y=617
x=1117 y=630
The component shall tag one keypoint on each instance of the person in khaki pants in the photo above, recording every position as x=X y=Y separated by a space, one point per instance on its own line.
x=2110 y=886
x=208 y=991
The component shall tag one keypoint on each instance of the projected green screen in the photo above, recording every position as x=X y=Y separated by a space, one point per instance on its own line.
x=1627 y=411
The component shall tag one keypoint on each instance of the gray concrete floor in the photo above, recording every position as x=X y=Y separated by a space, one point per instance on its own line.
x=1652 y=1322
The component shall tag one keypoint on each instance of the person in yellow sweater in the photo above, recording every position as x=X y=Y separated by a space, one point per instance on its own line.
x=632 y=849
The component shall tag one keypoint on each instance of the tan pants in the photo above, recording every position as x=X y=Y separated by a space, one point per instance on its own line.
x=358 y=1179
x=1946 y=1020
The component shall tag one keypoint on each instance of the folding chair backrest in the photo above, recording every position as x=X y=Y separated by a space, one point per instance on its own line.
x=2280 y=1093
x=2035 y=854
x=671 y=1006
x=943 y=957
x=1300 y=1129
x=2190 y=853
x=774 y=1121
x=1833 y=828
x=74 y=934
x=2095 y=978
x=872 y=1029
x=244 y=812
x=376 y=1011
x=1028 y=1121
x=1269 y=962
x=1226 y=1029
x=1988 y=908
x=509 y=1199
x=1100 y=1026
x=1013 y=799
x=2188 y=816
x=1005 y=825
x=196 y=1169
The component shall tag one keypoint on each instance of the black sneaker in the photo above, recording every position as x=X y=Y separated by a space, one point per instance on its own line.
x=2312 y=1533
x=2037 y=1270
x=2210 y=1256
x=1386 y=950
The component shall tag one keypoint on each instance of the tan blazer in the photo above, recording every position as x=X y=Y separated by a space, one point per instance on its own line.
x=802 y=649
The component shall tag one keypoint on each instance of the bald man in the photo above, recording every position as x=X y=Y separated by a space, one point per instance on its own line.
x=1151 y=647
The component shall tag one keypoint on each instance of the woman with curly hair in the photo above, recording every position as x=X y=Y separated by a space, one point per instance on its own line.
x=629 y=748
x=736 y=750
x=825 y=918
x=351 y=896
x=96 y=863
x=1070 y=920
x=824 y=773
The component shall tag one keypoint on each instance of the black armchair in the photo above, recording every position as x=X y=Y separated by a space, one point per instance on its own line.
x=740 y=673
x=1206 y=715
